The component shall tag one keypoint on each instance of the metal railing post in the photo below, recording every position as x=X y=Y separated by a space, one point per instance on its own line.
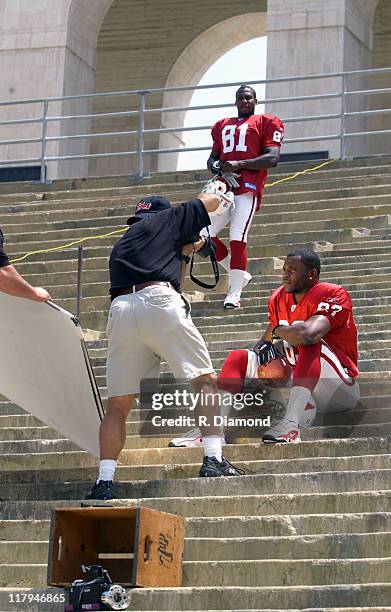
x=43 y=140
x=140 y=136
x=343 y=117
x=79 y=279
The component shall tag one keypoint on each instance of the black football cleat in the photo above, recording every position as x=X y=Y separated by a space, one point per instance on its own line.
x=104 y=490
x=211 y=468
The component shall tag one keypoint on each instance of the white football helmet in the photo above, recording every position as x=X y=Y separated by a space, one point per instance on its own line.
x=219 y=188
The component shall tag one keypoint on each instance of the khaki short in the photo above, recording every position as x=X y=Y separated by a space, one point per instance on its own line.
x=146 y=327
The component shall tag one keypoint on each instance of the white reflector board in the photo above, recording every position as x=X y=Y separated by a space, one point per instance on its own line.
x=45 y=369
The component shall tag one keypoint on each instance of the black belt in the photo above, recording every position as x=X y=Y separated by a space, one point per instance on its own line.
x=138 y=287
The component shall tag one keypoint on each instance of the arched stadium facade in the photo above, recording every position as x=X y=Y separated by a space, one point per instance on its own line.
x=90 y=46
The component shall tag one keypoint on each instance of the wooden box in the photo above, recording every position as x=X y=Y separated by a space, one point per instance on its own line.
x=137 y=546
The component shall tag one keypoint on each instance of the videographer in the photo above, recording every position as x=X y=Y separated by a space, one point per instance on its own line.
x=149 y=320
x=12 y=283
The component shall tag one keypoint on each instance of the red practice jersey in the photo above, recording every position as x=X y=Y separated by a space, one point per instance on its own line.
x=235 y=139
x=331 y=301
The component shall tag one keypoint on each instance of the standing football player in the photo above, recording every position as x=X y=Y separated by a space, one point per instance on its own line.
x=313 y=321
x=244 y=147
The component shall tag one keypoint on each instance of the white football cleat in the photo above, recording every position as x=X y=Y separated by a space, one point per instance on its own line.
x=308 y=416
x=191 y=439
x=284 y=431
x=232 y=300
x=247 y=278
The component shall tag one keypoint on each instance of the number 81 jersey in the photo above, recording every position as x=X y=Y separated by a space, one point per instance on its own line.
x=329 y=300
x=236 y=138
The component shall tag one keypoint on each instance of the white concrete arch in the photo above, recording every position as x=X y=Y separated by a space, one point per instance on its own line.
x=139 y=45
x=192 y=64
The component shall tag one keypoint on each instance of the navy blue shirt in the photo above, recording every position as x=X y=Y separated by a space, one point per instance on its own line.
x=4 y=261
x=151 y=249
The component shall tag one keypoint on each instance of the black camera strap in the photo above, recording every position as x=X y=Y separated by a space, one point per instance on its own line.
x=215 y=268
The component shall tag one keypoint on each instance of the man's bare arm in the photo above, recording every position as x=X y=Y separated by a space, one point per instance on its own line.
x=268 y=159
x=210 y=201
x=308 y=332
x=13 y=283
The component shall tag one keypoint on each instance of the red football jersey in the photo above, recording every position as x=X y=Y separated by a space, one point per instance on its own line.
x=331 y=301
x=235 y=139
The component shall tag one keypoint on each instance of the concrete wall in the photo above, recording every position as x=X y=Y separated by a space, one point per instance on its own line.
x=149 y=44
x=48 y=52
x=317 y=37
x=103 y=45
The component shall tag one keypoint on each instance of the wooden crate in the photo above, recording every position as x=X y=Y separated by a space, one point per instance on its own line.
x=137 y=546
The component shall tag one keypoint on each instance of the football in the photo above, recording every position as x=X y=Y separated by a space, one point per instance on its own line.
x=277 y=370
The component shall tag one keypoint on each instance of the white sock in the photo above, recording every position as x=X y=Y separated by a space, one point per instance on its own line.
x=106 y=469
x=212 y=447
x=236 y=281
x=298 y=399
x=225 y=263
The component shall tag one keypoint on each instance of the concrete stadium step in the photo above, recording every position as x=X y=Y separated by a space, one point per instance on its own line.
x=311 y=482
x=245 y=573
x=97 y=319
x=369 y=546
x=221 y=528
x=352 y=210
x=91 y=304
x=228 y=505
x=369 y=413
x=323 y=546
x=307 y=599
x=254 y=291
x=248 y=332
x=349 y=447
x=335 y=483
x=59 y=444
x=17 y=478
x=345 y=251
x=324 y=598
x=372 y=362
x=96 y=258
x=63 y=214
x=92 y=282
x=126 y=197
x=358 y=168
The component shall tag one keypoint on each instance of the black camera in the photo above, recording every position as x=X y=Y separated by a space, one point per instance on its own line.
x=97 y=593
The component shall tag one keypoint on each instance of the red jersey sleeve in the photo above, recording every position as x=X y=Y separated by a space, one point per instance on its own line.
x=336 y=305
x=216 y=138
x=272 y=131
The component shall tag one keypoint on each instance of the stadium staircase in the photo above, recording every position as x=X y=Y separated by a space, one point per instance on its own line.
x=311 y=529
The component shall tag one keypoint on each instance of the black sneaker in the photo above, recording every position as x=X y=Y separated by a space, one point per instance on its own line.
x=211 y=467
x=103 y=490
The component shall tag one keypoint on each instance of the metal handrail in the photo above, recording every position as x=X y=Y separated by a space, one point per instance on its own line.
x=199 y=87
x=144 y=111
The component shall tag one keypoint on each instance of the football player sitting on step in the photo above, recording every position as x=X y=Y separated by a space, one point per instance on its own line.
x=244 y=147
x=313 y=323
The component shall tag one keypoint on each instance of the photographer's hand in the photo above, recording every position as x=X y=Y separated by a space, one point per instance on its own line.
x=199 y=244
